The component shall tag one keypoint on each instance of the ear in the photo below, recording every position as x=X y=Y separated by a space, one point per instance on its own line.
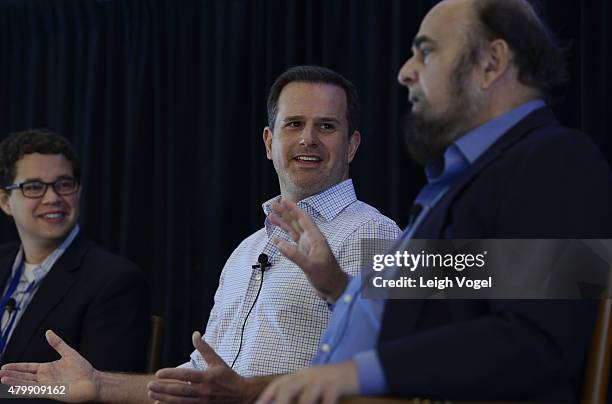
x=78 y=195
x=495 y=62
x=4 y=202
x=354 y=142
x=267 y=138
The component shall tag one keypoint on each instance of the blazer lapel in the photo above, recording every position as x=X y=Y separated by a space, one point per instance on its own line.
x=6 y=265
x=54 y=286
x=433 y=225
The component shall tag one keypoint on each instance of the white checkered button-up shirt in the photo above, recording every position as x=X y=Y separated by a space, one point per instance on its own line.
x=288 y=319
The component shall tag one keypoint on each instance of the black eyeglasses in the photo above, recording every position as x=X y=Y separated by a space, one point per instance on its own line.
x=36 y=189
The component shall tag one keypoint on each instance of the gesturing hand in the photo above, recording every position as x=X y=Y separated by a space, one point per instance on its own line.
x=319 y=384
x=310 y=252
x=218 y=383
x=71 y=369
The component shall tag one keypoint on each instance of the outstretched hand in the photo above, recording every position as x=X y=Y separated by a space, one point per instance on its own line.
x=310 y=252
x=218 y=383
x=319 y=384
x=71 y=369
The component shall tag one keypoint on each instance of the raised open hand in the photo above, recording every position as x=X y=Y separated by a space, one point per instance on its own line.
x=71 y=370
x=310 y=252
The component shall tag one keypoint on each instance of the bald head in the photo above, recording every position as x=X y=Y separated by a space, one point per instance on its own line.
x=457 y=13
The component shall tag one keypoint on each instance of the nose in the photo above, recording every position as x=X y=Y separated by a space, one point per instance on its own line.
x=408 y=74
x=50 y=196
x=309 y=136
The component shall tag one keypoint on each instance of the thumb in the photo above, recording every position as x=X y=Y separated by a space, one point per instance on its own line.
x=209 y=354
x=59 y=345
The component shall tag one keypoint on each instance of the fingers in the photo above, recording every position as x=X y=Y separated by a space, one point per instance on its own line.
x=295 y=221
x=288 y=392
x=170 y=399
x=267 y=397
x=296 y=214
x=175 y=391
x=28 y=367
x=19 y=373
x=209 y=354
x=176 y=388
x=310 y=395
x=285 y=225
x=281 y=391
x=293 y=253
x=180 y=375
x=9 y=380
x=16 y=375
x=330 y=396
x=59 y=345
x=306 y=223
x=287 y=215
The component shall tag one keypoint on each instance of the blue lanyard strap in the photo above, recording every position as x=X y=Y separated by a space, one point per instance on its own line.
x=5 y=334
x=13 y=316
x=12 y=286
x=4 y=302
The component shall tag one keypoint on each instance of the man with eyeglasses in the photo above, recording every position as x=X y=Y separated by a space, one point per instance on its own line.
x=55 y=278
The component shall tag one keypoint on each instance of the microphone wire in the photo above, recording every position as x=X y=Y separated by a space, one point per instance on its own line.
x=247 y=317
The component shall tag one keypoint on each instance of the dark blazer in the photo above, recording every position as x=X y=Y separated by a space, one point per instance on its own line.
x=97 y=302
x=539 y=180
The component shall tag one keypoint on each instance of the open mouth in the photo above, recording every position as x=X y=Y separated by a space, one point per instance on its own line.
x=54 y=216
x=309 y=159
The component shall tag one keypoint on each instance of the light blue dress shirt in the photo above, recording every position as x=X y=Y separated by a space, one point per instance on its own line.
x=353 y=331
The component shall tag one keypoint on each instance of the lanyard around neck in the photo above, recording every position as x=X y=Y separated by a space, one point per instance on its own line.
x=4 y=302
x=12 y=286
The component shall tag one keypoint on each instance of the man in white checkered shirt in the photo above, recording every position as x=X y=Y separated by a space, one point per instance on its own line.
x=288 y=318
x=270 y=321
x=311 y=114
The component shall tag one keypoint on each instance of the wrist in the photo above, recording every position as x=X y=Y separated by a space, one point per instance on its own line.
x=98 y=385
x=249 y=393
x=333 y=297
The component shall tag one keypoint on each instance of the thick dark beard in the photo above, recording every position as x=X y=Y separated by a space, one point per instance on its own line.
x=428 y=135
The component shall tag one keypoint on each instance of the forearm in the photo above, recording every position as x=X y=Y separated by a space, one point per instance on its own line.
x=122 y=387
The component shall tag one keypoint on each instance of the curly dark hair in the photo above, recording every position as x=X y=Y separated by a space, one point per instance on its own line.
x=43 y=141
x=315 y=74
x=537 y=55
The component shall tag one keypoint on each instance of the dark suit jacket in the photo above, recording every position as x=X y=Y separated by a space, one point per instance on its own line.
x=97 y=302
x=539 y=180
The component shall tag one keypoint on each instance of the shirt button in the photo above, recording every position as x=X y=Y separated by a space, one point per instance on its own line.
x=258 y=276
x=347 y=298
x=325 y=347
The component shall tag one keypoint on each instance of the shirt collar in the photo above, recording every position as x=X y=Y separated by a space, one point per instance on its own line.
x=469 y=147
x=44 y=267
x=326 y=204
